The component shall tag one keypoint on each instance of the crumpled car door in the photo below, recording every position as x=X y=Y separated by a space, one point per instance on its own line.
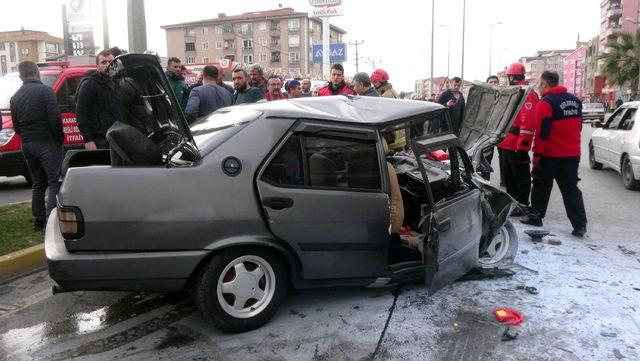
x=454 y=228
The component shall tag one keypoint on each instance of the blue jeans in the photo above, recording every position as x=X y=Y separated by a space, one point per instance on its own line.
x=44 y=160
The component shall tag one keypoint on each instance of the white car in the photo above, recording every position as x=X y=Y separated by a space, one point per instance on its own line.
x=617 y=144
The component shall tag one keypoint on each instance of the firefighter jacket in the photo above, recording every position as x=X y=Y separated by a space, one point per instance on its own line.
x=558 y=124
x=520 y=135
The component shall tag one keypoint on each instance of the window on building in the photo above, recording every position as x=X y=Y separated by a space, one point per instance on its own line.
x=275 y=25
x=217 y=29
x=339 y=37
x=294 y=40
x=219 y=44
x=227 y=28
x=229 y=45
x=190 y=46
x=50 y=48
x=262 y=25
x=294 y=24
x=275 y=56
x=231 y=57
x=294 y=57
x=247 y=58
x=24 y=51
x=311 y=27
x=247 y=44
x=3 y=58
x=245 y=28
x=14 y=69
x=205 y=60
x=12 y=46
x=13 y=59
x=205 y=46
x=191 y=59
x=205 y=30
x=263 y=57
x=2 y=46
x=189 y=32
x=275 y=41
x=263 y=41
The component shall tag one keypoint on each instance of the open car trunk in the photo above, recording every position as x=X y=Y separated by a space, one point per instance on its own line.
x=488 y=115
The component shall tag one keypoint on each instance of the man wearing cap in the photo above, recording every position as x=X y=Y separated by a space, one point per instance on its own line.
x=380 y=80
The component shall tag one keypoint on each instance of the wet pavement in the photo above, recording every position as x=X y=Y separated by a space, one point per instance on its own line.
x=587 y=308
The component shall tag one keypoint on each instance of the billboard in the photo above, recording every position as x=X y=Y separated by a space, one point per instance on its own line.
x=337 y=53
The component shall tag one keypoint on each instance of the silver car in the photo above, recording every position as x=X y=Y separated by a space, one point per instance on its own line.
x=592 y=111
x=258 y=198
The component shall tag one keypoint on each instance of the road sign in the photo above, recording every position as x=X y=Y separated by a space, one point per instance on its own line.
x=325 y=12
x=325 y=3
x=337 y=52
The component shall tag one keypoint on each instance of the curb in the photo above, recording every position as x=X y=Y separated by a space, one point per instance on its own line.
x=21 y=263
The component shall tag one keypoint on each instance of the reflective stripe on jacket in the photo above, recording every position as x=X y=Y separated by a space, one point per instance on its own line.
x=558 y=124
x=520 y=135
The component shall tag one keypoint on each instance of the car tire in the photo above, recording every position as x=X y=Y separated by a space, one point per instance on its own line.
x=592 y=158
x=257 y=275
x=626 y=171
x=502 y=249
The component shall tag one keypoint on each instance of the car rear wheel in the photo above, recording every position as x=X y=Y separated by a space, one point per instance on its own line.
x=592 y=158
x=503 y=247
x=241 y=288
x=628 y=179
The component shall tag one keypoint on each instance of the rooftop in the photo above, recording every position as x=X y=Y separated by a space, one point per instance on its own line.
x=350 y=109
x=249 y=16
x=27 y=35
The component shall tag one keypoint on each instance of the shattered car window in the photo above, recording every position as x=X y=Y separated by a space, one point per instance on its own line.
x=213 y=130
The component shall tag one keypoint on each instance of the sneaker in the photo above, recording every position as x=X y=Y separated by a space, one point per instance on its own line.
x=519 y=212
x=579 y=232
x=532 y=221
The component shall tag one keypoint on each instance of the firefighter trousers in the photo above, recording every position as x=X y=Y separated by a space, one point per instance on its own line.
x=565 y=172
x=517 y=174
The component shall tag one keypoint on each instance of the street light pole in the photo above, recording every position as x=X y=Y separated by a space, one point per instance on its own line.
x=356 y=43
x=491 y=42
x=638 y=83
x=433 y=6
x=448 y=47
x=464 y=12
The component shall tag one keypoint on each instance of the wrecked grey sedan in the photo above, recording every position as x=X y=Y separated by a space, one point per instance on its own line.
x=255 y=199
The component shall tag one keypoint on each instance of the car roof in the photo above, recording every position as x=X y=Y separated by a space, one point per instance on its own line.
x=346 y=108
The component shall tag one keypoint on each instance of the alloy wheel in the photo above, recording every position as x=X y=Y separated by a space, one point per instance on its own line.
x=498 y=248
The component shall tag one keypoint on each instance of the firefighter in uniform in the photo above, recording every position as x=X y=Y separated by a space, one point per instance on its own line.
x=556 y=153
x=514 y=149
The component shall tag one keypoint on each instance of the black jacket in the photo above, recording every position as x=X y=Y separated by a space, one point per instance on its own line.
x=456 y=112
x=35 y=113
x=98 y=105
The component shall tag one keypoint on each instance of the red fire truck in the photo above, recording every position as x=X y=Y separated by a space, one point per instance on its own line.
x=64 y=79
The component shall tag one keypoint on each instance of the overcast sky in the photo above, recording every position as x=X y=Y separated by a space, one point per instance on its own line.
x=396 y=34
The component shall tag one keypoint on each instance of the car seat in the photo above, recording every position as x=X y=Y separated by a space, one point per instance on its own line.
x=322 y=171
x=395 y=202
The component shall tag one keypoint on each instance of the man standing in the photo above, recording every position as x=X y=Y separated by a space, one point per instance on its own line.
x=244 y=92
x=556 y=153
x=274 y=91
x=293 y=89
x=98 y=104
x=514 y=149
x=337 y=85
x=176 y=81
x=454 y=101
x=257 y=78
x=380 y=80
x=362 y=85
x=494 y=80
x=220 y=82
x=306 y=88
x=36 y=118
x=208 y=97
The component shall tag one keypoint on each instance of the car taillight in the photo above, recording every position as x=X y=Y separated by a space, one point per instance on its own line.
x=6 y=135
x=71 y=222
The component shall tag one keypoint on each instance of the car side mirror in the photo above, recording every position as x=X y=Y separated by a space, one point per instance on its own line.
x=597 y=124
x=71 y=103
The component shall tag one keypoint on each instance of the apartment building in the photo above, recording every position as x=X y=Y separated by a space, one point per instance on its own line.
x=617 y=16
x=280 y=39
x=544 y=60
x=20 y=45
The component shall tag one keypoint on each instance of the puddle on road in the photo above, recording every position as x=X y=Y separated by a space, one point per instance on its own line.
x=21 y=341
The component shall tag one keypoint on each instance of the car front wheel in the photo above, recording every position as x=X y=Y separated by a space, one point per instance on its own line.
x=241 y=288
x=628 y=179
x=592 y=158
x=502 y=249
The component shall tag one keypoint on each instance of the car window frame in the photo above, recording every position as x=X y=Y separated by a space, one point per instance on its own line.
x=628 y=119
x=315 y=128
x=622 y=111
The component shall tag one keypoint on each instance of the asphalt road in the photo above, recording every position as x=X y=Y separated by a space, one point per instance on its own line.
x=587 y=308
x=14 y=189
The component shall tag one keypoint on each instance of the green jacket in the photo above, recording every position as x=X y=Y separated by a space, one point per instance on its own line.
x=250 y=95
x=179 y=89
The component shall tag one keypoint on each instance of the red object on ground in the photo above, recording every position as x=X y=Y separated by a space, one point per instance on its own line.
x=405 y=230
x=438 y=155
x=508 y=316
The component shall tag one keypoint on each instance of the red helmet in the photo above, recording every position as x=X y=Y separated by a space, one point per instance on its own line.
x=379 y=76
x=515 y=69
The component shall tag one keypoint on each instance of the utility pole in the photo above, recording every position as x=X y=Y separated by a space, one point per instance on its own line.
x=105 y=26
x=356 y=43
x=464 y=11
x=137 y=26
x=433 y=7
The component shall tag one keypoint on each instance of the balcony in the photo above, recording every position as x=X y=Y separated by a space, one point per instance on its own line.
x=614 y=12
x=228 y=35
x=613 y=30
x=274 y=30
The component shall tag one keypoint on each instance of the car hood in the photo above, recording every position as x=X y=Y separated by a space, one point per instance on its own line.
x=152 y=84
x=488 y=115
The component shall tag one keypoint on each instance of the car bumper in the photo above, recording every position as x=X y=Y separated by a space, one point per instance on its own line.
x=116 y=271
x=592 y=116
x=11 y=163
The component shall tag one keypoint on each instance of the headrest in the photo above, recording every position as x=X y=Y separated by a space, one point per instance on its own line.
x=385 y=146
